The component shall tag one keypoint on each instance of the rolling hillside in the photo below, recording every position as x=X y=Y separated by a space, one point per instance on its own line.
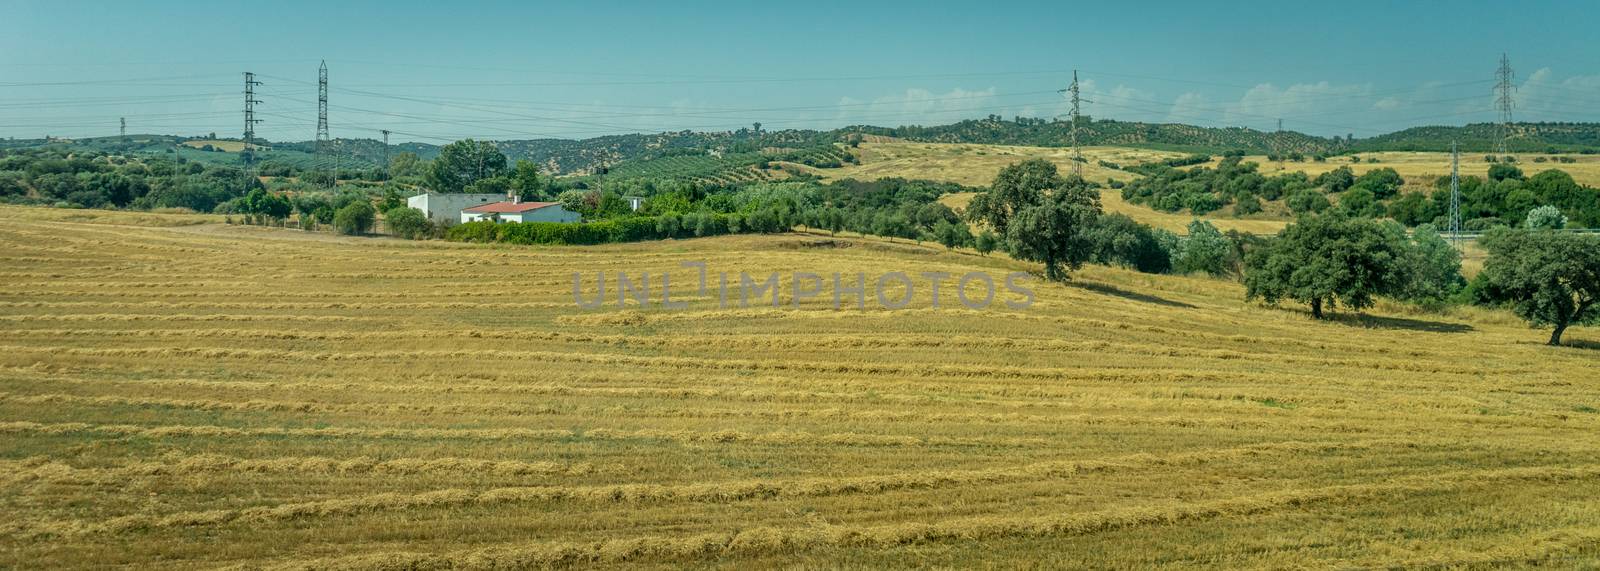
x=1483 y=137
x=208 y=396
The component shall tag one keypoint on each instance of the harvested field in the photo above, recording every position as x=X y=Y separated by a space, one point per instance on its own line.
x=177 y=393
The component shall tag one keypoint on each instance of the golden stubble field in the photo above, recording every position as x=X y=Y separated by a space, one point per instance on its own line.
x=1111 y=202
x=212 y=396
x=1421 y=169
x=977 y=165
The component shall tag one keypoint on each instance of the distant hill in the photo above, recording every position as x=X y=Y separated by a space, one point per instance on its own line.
x=995 y=130
x=730 y=155
x=1482 y=138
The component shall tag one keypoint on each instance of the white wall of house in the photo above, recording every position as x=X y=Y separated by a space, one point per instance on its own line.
x=446 y=208
x=553 y=213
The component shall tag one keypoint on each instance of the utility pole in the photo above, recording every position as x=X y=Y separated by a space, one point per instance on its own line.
x=124 y=130
x=1455 y=196
x=385 y=153
x=1077 y=153
x=1280 y=125
x=322 y=118
x=1503 y=87
x=250 y=119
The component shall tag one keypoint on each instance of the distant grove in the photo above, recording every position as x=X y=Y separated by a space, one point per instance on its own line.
x=1349 y=245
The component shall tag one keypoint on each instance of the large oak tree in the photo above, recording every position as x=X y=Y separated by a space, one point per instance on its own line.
x=1549 y=278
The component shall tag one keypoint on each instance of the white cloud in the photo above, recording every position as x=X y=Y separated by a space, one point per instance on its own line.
x=1190 y=108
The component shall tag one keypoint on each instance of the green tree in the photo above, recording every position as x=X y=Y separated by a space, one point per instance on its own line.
x=1119 y=240
x=1055 y=233
x=1411 y=209
x=986 y=242
x=355 y=218
x=1504 y=171
x=1549 y=278
x=1360 y=202
x=667 y=225
x=1205 y=249
x=408 y=223
x=952 y=234
x=1043 y=217
x=525 y=180
x=491 y=185
x=1433 y=267
x=1383 y=183
x=833 y=219
x=1307 y=201
x=1546 y=218
x=265 y=204
x=391 y=199
x=1337 y=180
x=1018 y=186
x=405 y=164
x=462 y=163
x=1327 y=260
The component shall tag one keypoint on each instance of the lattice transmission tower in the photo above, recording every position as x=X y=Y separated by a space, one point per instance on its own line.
x=323 y=141
x=250 y=120
x=1455 y=196
x=1503 y=86
x=1077 y=101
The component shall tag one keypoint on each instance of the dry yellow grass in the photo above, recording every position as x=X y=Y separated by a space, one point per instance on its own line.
x=976 y=165
x=226 y=146
x=1112 y=203
x=1422 y=168
x=218 y=396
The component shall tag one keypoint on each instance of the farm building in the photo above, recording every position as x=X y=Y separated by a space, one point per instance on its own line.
x=517 y=211
x=446 y=208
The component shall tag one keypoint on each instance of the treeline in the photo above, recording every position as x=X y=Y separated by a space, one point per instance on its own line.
x=1324 y=260
x=1056 y=133
x=1546 y=277
x=891 y=208
x=87 y=180
x=1503 y=198
x=1547 y=138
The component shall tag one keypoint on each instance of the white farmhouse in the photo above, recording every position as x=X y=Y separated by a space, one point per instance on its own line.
x=515 y=210
x=445 y=208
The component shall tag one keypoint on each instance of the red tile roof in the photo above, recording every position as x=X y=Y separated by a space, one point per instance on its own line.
x=506 y=207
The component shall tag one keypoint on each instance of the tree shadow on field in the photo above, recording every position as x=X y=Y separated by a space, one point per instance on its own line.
x=1115 y=291
x=1378 y=322
x=1581 y=344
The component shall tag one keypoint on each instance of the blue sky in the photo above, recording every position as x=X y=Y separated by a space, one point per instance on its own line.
x=435 y=71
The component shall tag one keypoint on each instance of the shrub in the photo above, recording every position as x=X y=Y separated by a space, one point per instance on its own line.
x=1307 y=202
x=1247 y=205
x=355 y=218
x=1546 y=218
x=408 y=223
x=1203 y=250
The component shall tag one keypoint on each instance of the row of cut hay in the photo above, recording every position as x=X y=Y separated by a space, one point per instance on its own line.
x=284 y=305
x=1012 y=420
x=769 y=540
x=44 y=470
x=753 y=342
x=181 y=317
x=617 y=359
x=1084 y=388
x=720 y=492
x=779 y=438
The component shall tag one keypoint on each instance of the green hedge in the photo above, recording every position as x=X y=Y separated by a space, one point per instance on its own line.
x=632 y=229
